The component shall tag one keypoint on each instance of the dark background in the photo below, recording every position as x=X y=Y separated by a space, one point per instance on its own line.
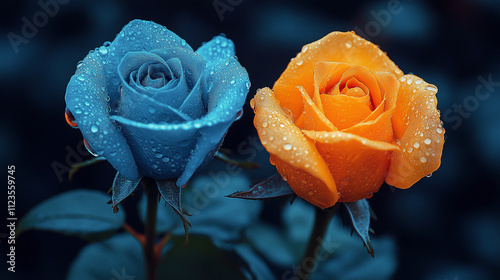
x=446 y=226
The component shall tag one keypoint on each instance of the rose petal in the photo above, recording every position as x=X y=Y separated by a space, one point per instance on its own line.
x=86 y=100
x=193 y=104
x=215 y=52
x=160 y=151
x=228 y=88
x=417 y=126
x=358 y=165
x=366 y=77
x=379 y=129
x=295 y=156
x=312 y=118
x=137 y=35
x=141 y=108
x=390 y=86
x=343 y=114
x=327 y=74
x=337 y=46
x=174 y=93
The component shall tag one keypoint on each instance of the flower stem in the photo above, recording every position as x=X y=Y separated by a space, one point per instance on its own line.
x=152 y=193
x=311 y=256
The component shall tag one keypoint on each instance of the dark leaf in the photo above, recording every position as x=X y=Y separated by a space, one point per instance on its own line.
x=122 y=188
x=171 y=193
x=251 y=265
x=82 y=213
x=117 y=258
x=271 y=187
x=359 y=211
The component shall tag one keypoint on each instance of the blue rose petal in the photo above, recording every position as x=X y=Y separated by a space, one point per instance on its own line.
x=227 y=90
x=217 y=50
x=189 y=66
x=161 y=152
x=193 y=104
x=86 y=98
x=137 y=35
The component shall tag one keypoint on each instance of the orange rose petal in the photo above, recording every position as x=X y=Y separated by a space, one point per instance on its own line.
x=379 y=129
x=390 y=85
x=358 y=165
x=354 y=92
x=310 y=188
x=417 y=125
x=327 y=74
x=365 y=76
x=343 y=114
x=337 y=46
x=355 y=83
x=351 y=99
x=286 y=143
x=312 y=118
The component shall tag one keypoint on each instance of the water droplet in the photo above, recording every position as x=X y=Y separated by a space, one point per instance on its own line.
x=402 y=79
x=427 y=141
x=239 y=114
x=348 y=44
x=432 y=88
x=247 y=84
x=423 y=159
x=299 y=61
x=232 y=82
x=165 y=159
x=80 y=78
x=287 y=147
x=409 y=81
x=89 y=149
x=158 y=155
x=439 y=130
x=265 y=124
x=416 y=145
x=304 y=49
x=271 y=160
x=70 y=119
x=282 y=125
x=151 y=110
x=428 y=175
x=310 y=192
x=418 y=82
x=103 y=50
x=94 y=128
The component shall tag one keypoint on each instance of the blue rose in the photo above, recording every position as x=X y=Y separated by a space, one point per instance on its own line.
x=152 y=106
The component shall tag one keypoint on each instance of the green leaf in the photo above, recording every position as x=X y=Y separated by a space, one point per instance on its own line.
x=271 y=187
x=359 y=212
x=122 y=188
x=82 y=213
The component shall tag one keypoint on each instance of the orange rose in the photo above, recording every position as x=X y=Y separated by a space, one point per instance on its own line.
x=343 y=118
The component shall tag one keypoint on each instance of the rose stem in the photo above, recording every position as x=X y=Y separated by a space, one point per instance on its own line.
x=309 y=261
x=151 y=191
